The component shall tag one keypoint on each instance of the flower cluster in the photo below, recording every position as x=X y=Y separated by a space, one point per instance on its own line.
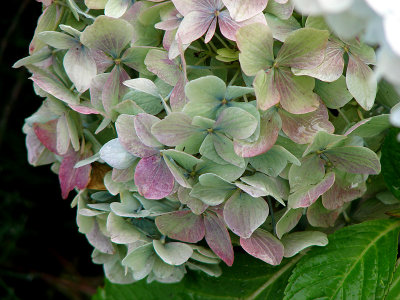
x=187 y=127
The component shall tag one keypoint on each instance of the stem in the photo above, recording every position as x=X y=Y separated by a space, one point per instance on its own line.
x=272 y=214
x=221 y=40
x=344 y=116
x=211 y=67
x=213 y=46
x=346 y=217
x=201 y=60
x=234 y=77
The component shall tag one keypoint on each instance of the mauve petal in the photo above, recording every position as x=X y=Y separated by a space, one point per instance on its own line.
x=242 y=10
x=211 y=31
x=306 y=196
x=178 y=98
x=184 y=6
x=218 y=238
x=71 y=177
x=153 y=178
x=227 y=25
x=194 y=25
x=270 y=125
x=84 y=110
x=182 y=226
x=168 y=24
x=264 y=246
x=303 y=128
x=47 y=134
x=128 y=138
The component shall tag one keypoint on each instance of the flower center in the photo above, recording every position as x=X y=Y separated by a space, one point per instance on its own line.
x=224 y=101
x=216 y=13
x=210 y=130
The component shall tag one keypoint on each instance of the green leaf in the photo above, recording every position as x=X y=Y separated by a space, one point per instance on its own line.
x=273 y=161
x=265 y=89
x=288 y=221
x=361 y=82
x=185 y=160
x=390 y=161
x=108 y=35
x=370 y=127
x=281 y=28
x=394 y=289
x=224 y=148
x=295 y=242
x=58 y=40
x=255 y=43
x=334 y=94
x=310 y=171
x=362 y=270
x=248 y=278
x=236 y=122
x=36 y=57
x=303 y=48
x=323 y=140
x=204 y=94
x=354 y=159
x=173 y=253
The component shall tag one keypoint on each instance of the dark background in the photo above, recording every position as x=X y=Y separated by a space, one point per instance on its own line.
x=42 y=254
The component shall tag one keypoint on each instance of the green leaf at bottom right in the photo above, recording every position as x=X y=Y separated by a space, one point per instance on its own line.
x=358 y=263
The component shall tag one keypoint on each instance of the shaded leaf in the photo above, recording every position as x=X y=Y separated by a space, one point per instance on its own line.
x=368 y=250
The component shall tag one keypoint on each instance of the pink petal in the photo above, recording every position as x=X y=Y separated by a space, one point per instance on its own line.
x=218 y=238
x=194 y=25
x=47 y=134
x=241 y=10
x=182 y=225
x=264 y=246
x=71 y=177
x=153 y=178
